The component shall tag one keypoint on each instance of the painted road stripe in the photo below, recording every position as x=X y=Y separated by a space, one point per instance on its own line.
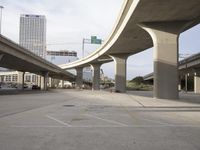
x=106 y=120
x=59 y=121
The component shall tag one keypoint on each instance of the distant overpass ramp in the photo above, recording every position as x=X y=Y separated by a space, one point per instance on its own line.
x=15 y=57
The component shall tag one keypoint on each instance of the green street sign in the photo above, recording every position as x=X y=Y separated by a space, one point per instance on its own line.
x=98 y=41
x=94 y=40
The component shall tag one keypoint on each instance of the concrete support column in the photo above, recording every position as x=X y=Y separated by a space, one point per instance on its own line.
x=2 y=78
x=120 y=72
x=96 y=76
x=186 y=82
x=39 y=80
x=165 y=55
x=53 y=82
x=180 y=86
x=50 y=82
x=79 y=77
x=20 y=80
x=44 y=81
x=62 y=83
x=179 y=83
x=197 y=83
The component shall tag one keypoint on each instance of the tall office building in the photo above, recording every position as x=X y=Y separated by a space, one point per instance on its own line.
x=33 y=33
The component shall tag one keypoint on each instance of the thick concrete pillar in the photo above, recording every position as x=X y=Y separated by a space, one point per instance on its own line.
x=120 y=72
x=50 y=82
x=62 y=83
x=2 y=78
x=165 y=55
x=20 y=80
x=1 y=56
x=179 y=83
x=39 y=80
x=96 y=76
x=44 y=81
x=197 y=83
x=54 y=82
x=79 y=77
x=186 y=82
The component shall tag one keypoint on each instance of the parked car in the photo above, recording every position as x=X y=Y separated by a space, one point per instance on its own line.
x=35 y=87
x=25 y=86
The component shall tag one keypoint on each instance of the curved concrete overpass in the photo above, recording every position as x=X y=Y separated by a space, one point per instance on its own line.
x=141 y=25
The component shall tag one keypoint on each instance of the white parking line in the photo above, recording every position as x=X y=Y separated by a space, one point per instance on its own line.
x=59 y=121
x=156 y=121
x=40 y=126
x=110 y=121
x=107 y=126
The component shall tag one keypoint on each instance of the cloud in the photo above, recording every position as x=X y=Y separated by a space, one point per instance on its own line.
x=66 y=18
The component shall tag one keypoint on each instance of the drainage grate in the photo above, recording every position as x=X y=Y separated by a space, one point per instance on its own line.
x=68 y=105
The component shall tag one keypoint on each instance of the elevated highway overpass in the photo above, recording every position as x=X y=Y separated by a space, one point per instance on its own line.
x=143 y=24
x=15 y=57
x=189 y=66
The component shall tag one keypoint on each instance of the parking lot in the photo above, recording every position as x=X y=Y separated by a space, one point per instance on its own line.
x=86 y=120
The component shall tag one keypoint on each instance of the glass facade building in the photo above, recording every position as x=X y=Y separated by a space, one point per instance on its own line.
x=32 y=34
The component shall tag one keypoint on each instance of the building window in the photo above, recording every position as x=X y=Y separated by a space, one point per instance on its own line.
x=28 y=78
x=14 y=78
x=8 y=78
x=33 y=78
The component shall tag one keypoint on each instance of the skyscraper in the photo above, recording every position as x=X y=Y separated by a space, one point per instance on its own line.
x=33 y=33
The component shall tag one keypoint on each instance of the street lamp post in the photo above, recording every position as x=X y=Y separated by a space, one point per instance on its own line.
x=1 y=7
x=83 y=48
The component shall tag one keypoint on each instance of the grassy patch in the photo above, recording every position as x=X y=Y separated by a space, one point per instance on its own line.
x=139 y=86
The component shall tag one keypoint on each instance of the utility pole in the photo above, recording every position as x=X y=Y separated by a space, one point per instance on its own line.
x=83 y=48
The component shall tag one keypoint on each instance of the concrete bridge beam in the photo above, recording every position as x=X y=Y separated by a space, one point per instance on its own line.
x=96 y=76
x=165 y=55
x=120 y=72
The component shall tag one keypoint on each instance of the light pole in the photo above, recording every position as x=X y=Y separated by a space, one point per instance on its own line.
x=83 y=48
x=93 y=40
x=1 y=7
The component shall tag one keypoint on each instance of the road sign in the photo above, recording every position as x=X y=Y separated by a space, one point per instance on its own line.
x=94 y=40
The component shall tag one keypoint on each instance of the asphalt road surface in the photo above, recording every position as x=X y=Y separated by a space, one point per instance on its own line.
x=88 y=120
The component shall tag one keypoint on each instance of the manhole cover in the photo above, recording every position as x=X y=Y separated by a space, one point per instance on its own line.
x=68 y=105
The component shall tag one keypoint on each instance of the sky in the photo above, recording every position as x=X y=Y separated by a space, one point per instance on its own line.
x=69 y=21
